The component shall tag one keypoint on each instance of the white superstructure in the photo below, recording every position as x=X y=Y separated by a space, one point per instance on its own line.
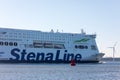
x=35 y=46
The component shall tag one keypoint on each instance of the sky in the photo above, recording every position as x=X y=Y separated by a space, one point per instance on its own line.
x=101 y=17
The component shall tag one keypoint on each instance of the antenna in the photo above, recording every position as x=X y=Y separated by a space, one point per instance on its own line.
x=57 y=30
x=82 y=31
x=113 y=48
x=52 y=31
x=62 y=30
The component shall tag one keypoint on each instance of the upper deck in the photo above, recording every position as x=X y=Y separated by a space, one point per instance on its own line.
x=20 y=34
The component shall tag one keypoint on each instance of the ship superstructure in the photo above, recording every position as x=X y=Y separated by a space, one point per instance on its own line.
x=18 y=45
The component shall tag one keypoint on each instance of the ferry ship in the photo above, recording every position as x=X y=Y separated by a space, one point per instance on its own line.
x=30 y=46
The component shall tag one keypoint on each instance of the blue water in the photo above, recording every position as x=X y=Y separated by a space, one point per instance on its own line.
x=104 y=71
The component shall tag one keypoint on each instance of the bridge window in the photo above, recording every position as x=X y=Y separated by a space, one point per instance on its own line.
x=93 y=47
x=1 y=43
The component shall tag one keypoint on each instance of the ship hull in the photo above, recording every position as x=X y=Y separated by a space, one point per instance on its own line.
x=38 y=62
x=28 y=46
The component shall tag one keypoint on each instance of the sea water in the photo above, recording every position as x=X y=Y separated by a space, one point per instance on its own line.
x=98 y=71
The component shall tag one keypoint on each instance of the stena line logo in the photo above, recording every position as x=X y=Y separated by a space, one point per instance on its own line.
x=23 y=55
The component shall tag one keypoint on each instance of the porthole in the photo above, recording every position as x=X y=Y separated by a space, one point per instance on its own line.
x=1 y=43
x=11 y=43
x=86 y=47
x=76 y=46
x=15 y=44
x=6 y=43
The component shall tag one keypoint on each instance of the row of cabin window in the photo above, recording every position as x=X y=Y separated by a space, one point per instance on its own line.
x=93 y=47
x=49 y=45
x=81 y=47
x=37 y=36
x=8 y=43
